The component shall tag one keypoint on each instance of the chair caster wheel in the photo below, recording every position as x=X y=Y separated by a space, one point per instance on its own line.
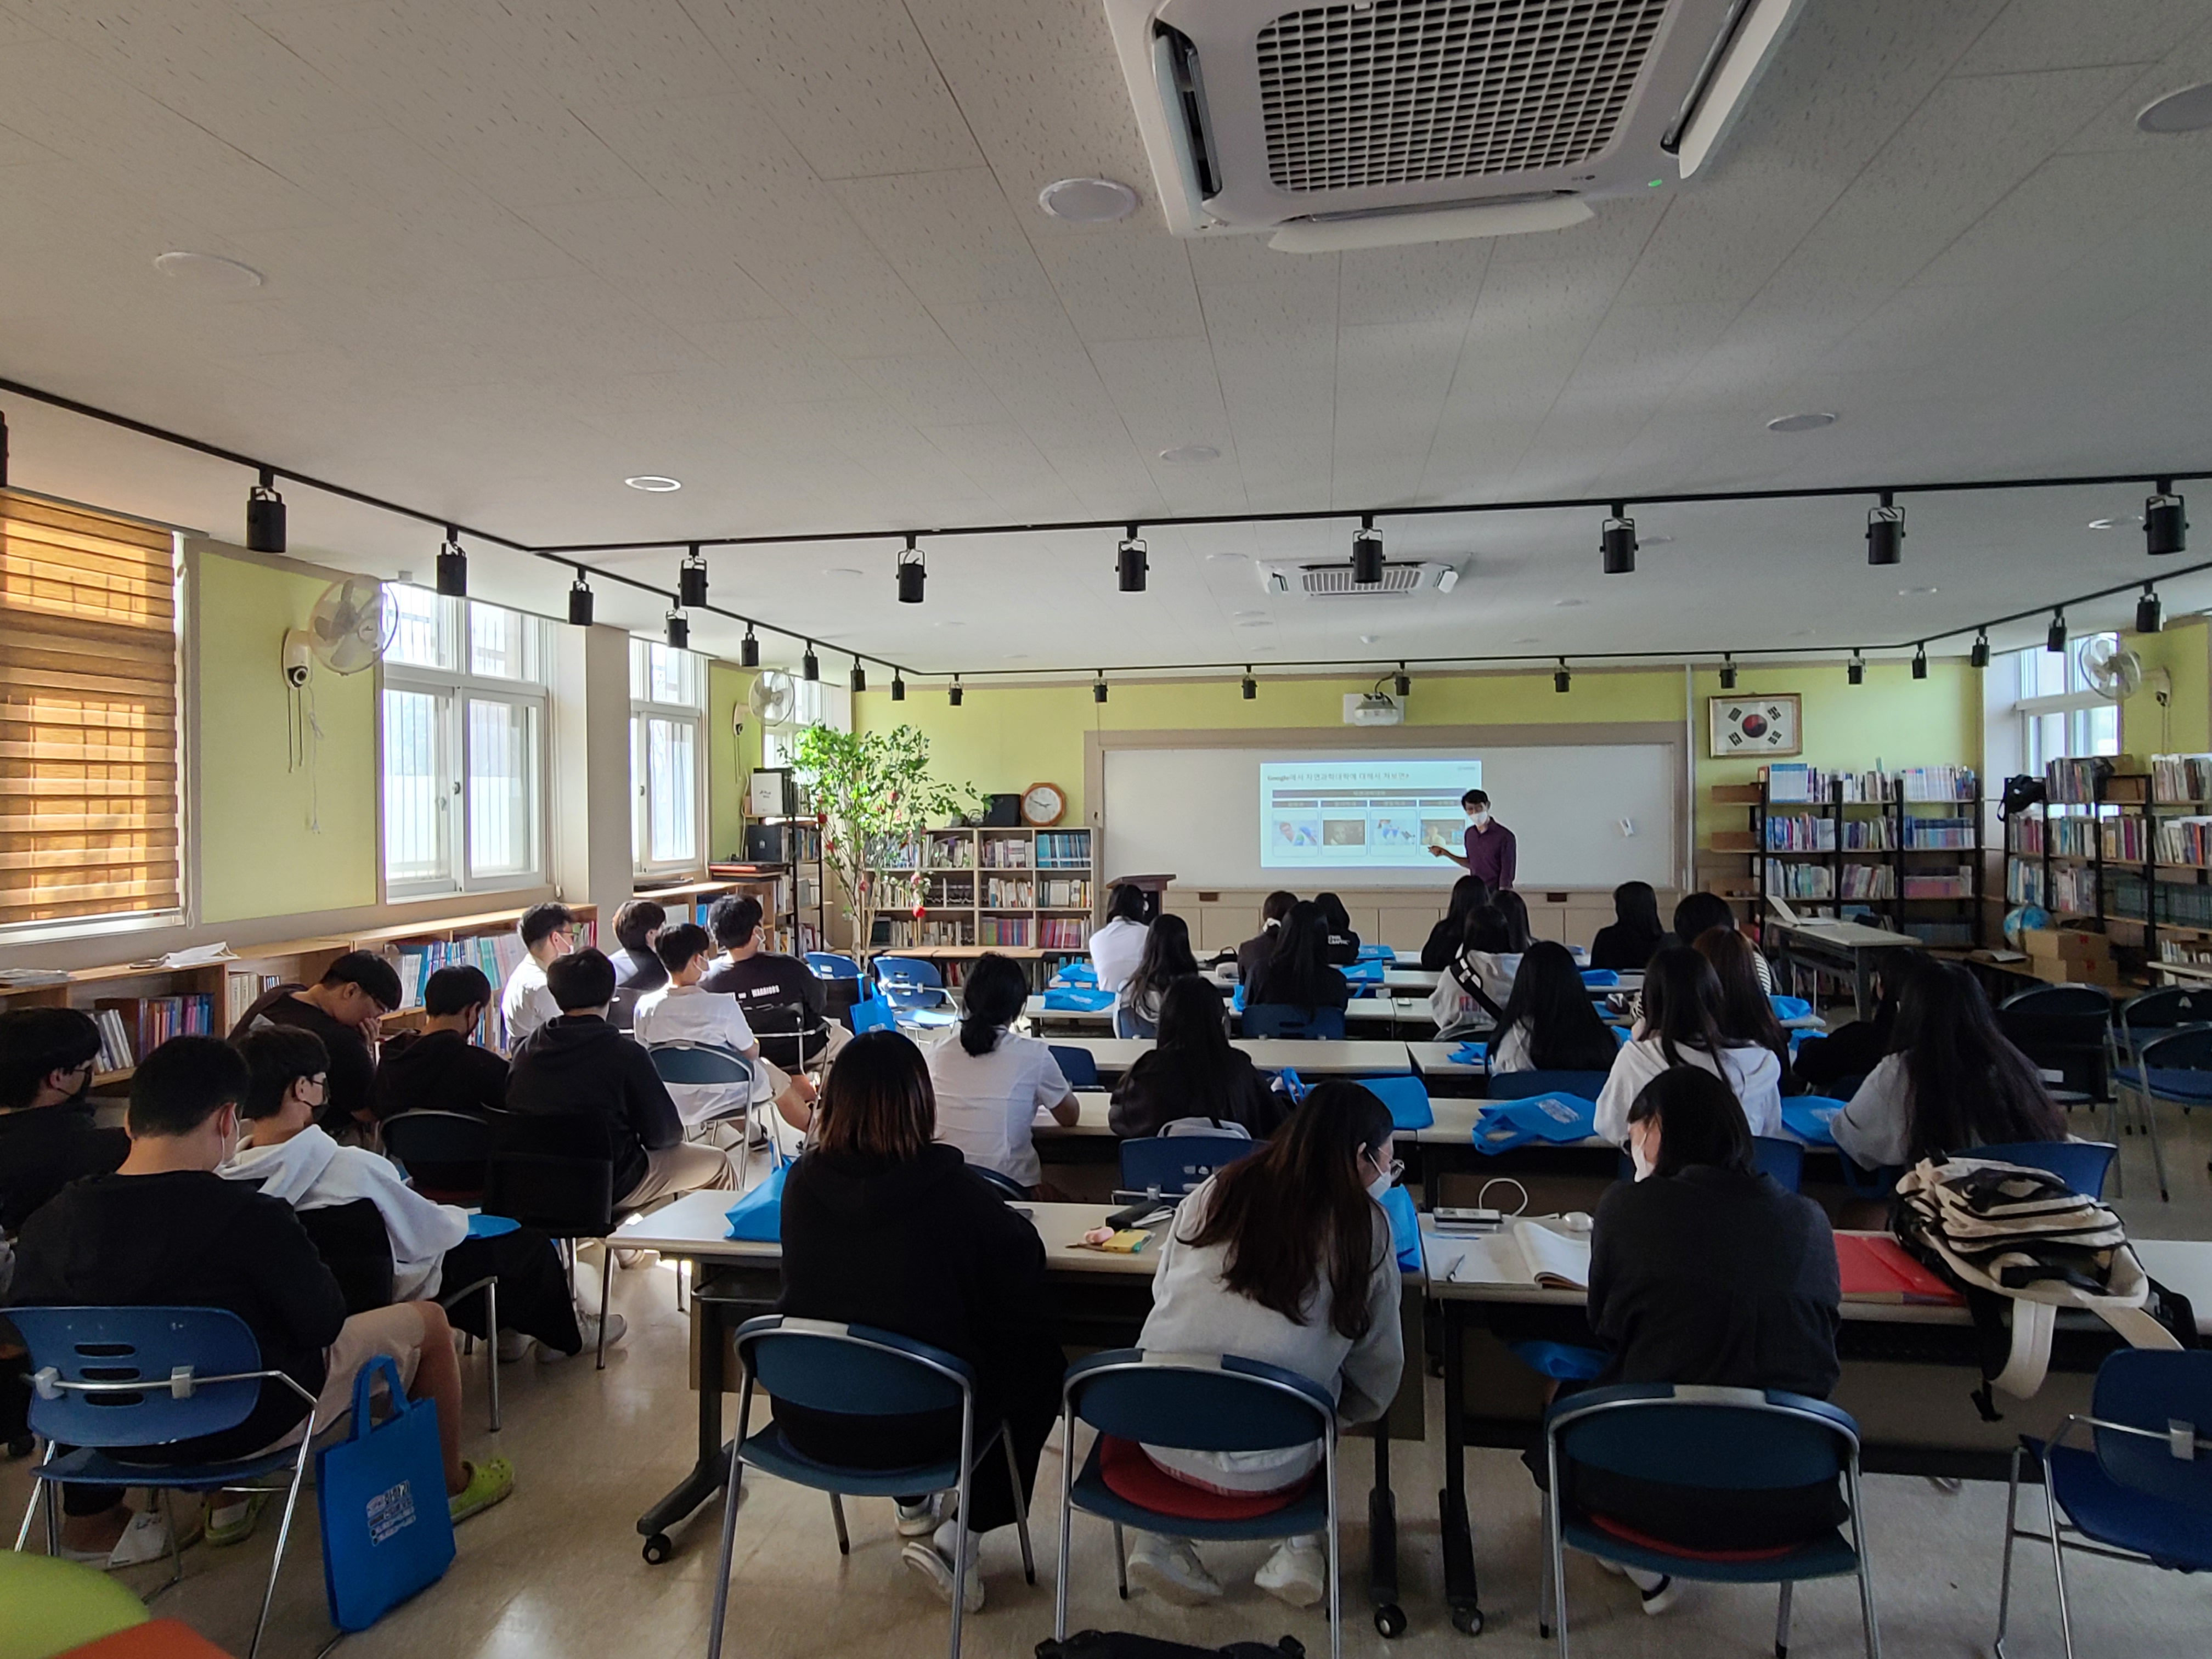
x=1467 y=1621
x=1391 y=1620
x=659 y=1548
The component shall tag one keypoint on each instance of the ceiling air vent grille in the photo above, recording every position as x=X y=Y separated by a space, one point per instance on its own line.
x=1334 y=581
x=1406 y=91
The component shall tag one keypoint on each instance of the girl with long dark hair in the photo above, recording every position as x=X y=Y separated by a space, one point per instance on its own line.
x=1515 y=909
x=1635 y=933
x=988 y=1081
x=1550 y=1024
x=1343 y=942
x=1467 y=893
x=1283 y=1256
x=1166 y=957
x=1747 y=1010
x=1193 y=1072
x=1299 y=975
x=1681 y=1026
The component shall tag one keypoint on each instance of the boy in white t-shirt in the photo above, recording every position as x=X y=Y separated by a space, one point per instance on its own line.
x=683 y=1011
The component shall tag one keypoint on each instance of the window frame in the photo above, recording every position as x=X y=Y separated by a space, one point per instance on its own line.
x=643 y=709
x=2076 y=701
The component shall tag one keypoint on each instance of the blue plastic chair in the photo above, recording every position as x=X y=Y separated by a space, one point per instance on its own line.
x=1280 y=1019
x=1172 y=1165
x=1784 y=1160
x=708 y=1064
x=1195 y=1403
x=2082 y=1164
x=832 y=964
x=913 y=973
x=1128 y=1024
x=1078 y=1066
x=860 y=1371
x=2143 y=1492
x=1524 y=1085
x=1002 y=1183
x=109 y=1381
x=1715 y=1440
x=2176 y=1066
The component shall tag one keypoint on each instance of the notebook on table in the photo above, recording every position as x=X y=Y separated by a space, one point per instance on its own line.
x=1877 y=1268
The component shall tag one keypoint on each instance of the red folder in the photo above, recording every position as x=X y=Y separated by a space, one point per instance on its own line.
x=1877 y=1268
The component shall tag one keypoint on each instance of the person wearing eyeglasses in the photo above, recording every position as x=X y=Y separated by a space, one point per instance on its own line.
x=47 y=1135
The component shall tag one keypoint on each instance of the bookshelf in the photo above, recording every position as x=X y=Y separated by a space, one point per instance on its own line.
x=2126 y=846
x=1728 y=863
x=1891 y=845
x=956 y=893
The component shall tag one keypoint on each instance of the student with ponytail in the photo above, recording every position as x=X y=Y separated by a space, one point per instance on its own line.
x=989 y=1082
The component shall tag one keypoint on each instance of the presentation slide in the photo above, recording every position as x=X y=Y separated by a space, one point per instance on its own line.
x=1362 y=814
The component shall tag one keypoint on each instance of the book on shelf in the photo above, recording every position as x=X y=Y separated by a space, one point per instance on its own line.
x=1938 y=835
x=1937 y=783
x=1798 y=832
x=1000 y=894
x=2184 y=840
x=1939 y=883
x=116 y=1053
x=1064 y=895
x=150 y=1022
x=1063 y=849
x=1064 y=933
x=1011 y=931
x=2186 y=779
x=1003 y=852
x=2075 y=782
x=1794 y=782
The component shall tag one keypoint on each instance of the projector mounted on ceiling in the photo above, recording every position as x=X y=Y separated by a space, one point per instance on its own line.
x=1372 y=708
x=1331 y=579
x=1374 y=125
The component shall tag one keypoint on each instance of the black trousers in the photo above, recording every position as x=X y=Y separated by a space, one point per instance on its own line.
x=534 y=1295
x=1020 y=1388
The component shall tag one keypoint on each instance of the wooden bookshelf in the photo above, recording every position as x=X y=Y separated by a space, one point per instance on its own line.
x=957 y=893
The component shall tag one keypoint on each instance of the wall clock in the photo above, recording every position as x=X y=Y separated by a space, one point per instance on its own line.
x=1766 y=725
x=1043 y=804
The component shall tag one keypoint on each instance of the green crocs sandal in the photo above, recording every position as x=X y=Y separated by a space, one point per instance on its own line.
x=220 y=1534
x=489 y=1483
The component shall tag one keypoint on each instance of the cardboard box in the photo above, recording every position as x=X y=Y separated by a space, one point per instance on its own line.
x=2052 y=970
x=2066 y=944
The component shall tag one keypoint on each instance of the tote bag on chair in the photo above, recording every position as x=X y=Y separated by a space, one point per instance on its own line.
x=381 y=1494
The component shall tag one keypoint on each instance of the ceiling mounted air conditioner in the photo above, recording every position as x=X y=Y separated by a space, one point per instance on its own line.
x=1397 y=121
x=1331 y=579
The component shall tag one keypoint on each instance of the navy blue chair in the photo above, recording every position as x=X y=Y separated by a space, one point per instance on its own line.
x=1078 y=1066
x=443 y=1153
x=1770 y=1155
x=1195 y=1403
x=1172 y=1165
x=863 y=1372
x=1129 y=1023
x=2176 y=1066
x=2067 y=1030
x=1280 y=1019
x=2082 y=1164
x=1001 y=1182
x=708 y=1064
x=2141 y=1491
x=1715 y=1440
x=111 y=1380
x=1527 y=1085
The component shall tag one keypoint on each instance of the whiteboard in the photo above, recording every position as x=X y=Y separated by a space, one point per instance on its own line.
x=1584 y=815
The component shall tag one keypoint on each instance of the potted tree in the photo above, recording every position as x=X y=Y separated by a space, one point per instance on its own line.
x=875 y=795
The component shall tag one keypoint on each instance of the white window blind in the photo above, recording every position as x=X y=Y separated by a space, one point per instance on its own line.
x=88 y=746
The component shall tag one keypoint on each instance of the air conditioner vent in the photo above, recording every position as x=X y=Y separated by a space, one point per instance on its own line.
x=1403 y=91
x=1334 y=580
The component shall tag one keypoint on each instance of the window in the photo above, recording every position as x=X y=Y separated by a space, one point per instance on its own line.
x=2062 y=716
x=667 y=696
x=814 y=702
x=88 y=746
x=463 y=745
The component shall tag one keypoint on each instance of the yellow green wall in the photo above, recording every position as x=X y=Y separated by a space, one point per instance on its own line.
x=730 y=757
x=2185 y=727
x=260 y=853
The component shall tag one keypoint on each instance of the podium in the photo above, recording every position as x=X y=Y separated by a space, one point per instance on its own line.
x=1154 y=888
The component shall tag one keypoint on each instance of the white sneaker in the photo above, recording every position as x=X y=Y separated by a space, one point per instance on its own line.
x=617 y=1325
x=918 y=1520
x=1171 y=1569
x=933 y=1564
x=513 y=1344
x=1296 y=1573
x=1657 y=1597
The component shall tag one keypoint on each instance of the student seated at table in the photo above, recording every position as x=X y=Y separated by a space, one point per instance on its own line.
x=1258 y=948
x=1515 y=909
x=1747 y=1011
x=638 y=967
x=525 y=1003
x=989 y=1084
x=1699 y=913
x=1635 y=934
x=342 y=1009
x=289 y=1158
x=1951 y=1082
x=439 y=1067
x=166 y=1231
x=1681 y=1026
x=884 y=1224
x=1850 y=1052
x=1472 y=992
x=577 y=1063
x=783 y=1002
x=1119 y=945
x=1193 y=1071
x=1705 y=1271
x=682 y=1011
x=1166 y=957
x=1299 y=974
x=1285 y=1256
x=1343 y=943
x=1549 y=1023
x=1449 y=931
x=47 y=1135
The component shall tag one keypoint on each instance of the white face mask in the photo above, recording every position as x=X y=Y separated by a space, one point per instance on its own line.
x=1638 y=1156
x=1380 y=1185
x=1480 y=817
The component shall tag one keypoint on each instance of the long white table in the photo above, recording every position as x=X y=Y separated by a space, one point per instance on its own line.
x=1348 y=1058
x=1389 y=1010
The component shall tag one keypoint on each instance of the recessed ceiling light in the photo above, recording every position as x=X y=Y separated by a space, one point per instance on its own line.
x=1568 y=605
x=1191 y=454
x=951 y=622
x=206 y=271
x=1914 y=592
x=1801 y=633
x=653 y=484
x=1259 y=621
x=1088 y=201
x=1226 y=558
x=1655 y=541
x=1241 y=614
x=1526 y=639
x=1811 y=421
x=842 y=570
x=1370 y=639
x=1017 y=656
x=2120 y=522
x=2189 y=110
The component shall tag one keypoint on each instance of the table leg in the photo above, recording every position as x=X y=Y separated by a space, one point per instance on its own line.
x=1461 y=1593
x=712 y=1468
x=1862 y=985
x=1383 y=1540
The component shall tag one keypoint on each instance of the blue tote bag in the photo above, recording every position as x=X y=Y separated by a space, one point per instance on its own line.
x=381 y=1494
x=758 y=1215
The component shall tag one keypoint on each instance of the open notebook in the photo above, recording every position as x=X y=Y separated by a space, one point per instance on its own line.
x=1526 y=1252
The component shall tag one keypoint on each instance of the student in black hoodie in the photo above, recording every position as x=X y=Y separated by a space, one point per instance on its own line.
x=438 y=1068
x=166 y=1231
x=47 y=1135
x=884 y=1226
x=1343 y=942
x=577 y=1063
x=342 y=1008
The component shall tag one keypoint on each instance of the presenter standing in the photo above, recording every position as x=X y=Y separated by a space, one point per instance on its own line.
x=1491 y=850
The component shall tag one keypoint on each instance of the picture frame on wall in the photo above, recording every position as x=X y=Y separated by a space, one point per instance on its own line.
x=1768 y=725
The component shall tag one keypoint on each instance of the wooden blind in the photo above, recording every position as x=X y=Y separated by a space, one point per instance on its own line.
x=88 y=751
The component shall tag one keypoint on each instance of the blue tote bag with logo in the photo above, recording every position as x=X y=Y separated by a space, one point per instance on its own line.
x=381 y=1493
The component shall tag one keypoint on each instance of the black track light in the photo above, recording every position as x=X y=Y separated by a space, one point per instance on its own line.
x=859 y=676
x=1405 y=681
x=1617 y=541
x=453 y=567
x=2055 y=640
x=679 y=631
x=1367 y=554
x=809 y=666
x=912 y=574
x=952 y=696
x=1251 y=687
x=748 y=649
x=1098 y=688
x=1561 y=678
x=1885 y=532
x=1129 y=563
x=2166 y=521
x=691 y=580
x=1855 y=670
x=1980 y=655
x=580 y=601
x=2150 y=611
x=265 y=515
x=898 y=686
x=1920 y=660
x=1728 y=673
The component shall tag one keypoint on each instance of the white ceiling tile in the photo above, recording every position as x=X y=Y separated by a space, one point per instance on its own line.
x=2042 y=34
x=1126 y=284
x=678 y=260
x=931 y=391
x=948 y=235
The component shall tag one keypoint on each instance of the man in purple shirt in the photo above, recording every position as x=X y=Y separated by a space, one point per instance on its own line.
x=1490 y=845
